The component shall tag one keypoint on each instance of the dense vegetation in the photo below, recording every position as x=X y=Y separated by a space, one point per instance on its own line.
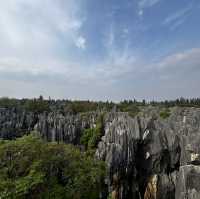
x=67 y=106
x=165 y=113
x=92 y=136
x=32 y=168
x=33 y=105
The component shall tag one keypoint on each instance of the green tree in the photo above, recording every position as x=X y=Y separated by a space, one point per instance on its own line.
x=32 y=168
x=91 y=137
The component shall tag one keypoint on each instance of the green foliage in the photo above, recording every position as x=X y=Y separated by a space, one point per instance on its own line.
x=87 y=106
x=132 y=109
x=75 y=107
x=37 y=105
x=32 y=168
x=80 y=106
x=109 y=196
x=34 y=105
x=91 y=137
x=165 y=113
x=8 y=103
x=86 y=137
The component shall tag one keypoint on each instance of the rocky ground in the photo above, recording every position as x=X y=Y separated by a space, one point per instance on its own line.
x=147 y=156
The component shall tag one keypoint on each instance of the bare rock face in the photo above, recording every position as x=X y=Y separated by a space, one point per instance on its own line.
x=118 y=149
x=64 y=128
x=16 y=123
x=53 y=126
x=188 y=182
x=152 y=158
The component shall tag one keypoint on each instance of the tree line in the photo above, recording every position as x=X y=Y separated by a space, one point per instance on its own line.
x=69 y=106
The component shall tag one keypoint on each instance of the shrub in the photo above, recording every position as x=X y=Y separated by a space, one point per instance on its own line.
x=8 y=103
x=165 y=114
x=37 y=105
x=132 y=109
x=91 y=137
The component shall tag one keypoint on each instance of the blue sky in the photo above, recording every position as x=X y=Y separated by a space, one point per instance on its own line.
x=100 y=49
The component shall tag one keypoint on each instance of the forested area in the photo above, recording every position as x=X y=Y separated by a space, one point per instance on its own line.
x=33 y=168
x=69 y=106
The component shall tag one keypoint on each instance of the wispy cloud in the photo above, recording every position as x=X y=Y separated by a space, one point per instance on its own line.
x=32 y=36
x=143 y=4
x=181 y=61
x=119 y=60
x=176 y=19
x=125 y=31
x=147 y=3
x=81 y=42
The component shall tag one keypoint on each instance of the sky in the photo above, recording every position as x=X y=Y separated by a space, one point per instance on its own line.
x=100 y=49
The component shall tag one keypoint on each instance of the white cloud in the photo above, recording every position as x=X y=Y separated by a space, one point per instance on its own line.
x=187 y=60
x=33 y=32
x=73 y=25
x=140 y=12
x=177 y=68
x=143 y=4
x=147 y=3
x=176 y=19
x=119 y=61
x=109 y=41
x=80 y=42
x=126 y=30
x=125 y=33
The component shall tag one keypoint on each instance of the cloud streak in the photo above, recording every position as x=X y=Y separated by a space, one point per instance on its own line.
x=176 y=19
x=143 y=4
x=147 y=3
x=182 y=62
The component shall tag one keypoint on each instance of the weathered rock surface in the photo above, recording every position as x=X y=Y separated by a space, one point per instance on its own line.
x=152 y=158
x=67 y=128
x=147 y=157
x=15 y=123
x=53 y=126
x=188 y=182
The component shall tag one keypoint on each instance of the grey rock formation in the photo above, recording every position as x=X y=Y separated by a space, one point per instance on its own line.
x=148 y=157
x=53 y=126
x=64 y=128
x=188 y=182
x=15 y=123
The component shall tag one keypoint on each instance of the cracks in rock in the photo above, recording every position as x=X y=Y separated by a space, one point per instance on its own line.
x=142 y=174
x=158 y=167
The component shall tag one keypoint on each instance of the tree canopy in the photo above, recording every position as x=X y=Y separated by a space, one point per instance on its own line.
x=32 y=168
